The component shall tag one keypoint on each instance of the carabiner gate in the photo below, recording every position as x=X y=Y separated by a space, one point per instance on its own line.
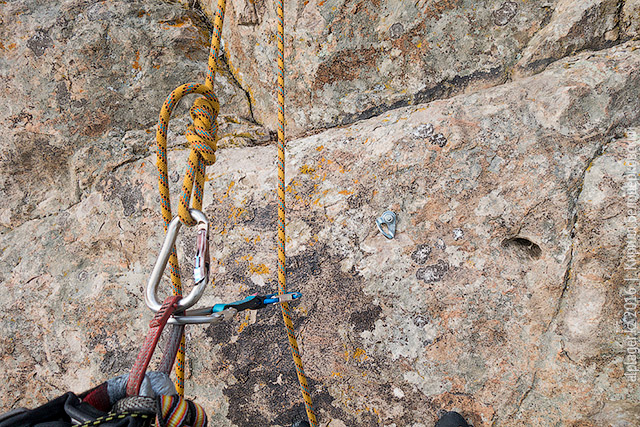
x=201 y=261
x=200 y=271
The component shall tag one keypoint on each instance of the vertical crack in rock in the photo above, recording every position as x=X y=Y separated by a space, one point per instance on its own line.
x=525 y=394
x=573 y=208
x=225 y=60
x=196 y=7
x=600 y=150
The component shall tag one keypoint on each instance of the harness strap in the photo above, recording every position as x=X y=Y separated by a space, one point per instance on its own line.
x=144 y=356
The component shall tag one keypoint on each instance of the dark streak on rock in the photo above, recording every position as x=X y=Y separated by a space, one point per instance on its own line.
x=365 y=320
x=448 y=88
x=442 y=90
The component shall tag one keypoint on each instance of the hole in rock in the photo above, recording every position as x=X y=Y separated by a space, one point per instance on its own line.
x=523 y=247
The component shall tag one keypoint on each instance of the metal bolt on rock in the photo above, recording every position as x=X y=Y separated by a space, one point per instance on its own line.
x=389 y=219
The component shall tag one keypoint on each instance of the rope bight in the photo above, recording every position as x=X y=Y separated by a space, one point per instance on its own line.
x=202 y=136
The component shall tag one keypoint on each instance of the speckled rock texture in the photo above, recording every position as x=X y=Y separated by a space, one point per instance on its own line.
x=575 y=25
x=350 y=60
x=79 y=79
x=501 y=296
x=630 y=22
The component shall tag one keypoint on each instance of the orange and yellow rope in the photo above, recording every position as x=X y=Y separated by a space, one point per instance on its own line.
x=282 y=277
x=202 y=136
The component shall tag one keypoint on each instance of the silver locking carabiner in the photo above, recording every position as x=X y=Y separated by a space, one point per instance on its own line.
x=201 y=269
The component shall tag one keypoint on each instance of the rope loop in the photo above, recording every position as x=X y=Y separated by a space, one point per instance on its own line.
x=202 y=137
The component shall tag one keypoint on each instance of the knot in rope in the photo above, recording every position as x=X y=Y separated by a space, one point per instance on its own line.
x=202 y=135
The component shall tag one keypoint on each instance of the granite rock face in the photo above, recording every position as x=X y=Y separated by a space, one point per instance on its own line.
x=350 y=60
x=574 y=26
x=630 y=22
x=501 y=296
x=79 y=79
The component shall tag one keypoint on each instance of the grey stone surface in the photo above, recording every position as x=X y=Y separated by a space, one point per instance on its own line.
x=501 y=296
x=630 y=20
x=77 y=78
x=351 y=60
x=574 y=26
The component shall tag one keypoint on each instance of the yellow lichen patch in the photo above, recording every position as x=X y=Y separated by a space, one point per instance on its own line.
x=359 y=355
x=245 y=258
x=258 y=268
x=345 y=192
x=226 y=194
x=236 y=213
x=253 y=240
x=307 y=169
x=242 y=326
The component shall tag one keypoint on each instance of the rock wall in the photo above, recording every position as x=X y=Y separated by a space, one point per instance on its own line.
x=502 y=294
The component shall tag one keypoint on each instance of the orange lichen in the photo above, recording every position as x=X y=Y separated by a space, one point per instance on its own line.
x=258 y=268
x=136 y=63
x=179 y=22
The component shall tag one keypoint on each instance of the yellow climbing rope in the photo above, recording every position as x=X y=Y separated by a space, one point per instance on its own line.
x=202 y=135
x=282 y=277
